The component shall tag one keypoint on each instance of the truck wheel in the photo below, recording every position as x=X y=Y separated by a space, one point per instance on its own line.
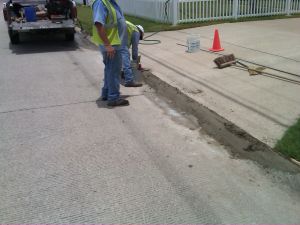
x=70 y=36
x=14 y=38
x=5 y=14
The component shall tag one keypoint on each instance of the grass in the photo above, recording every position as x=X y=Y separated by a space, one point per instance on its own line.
x=85 y=19
x=84 y=14
x=289 y=145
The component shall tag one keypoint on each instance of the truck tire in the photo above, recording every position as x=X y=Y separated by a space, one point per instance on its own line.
x=14 y=37
x=5 y=14
x=69 y=36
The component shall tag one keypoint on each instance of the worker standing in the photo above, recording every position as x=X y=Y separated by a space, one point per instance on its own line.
x=74 y=10
x=109 y=33
x=134 y=34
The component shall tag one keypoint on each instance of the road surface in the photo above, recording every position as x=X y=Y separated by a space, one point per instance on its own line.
x=65 y=159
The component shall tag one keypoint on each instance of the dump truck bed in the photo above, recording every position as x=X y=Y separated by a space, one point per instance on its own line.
x=42 y=25
x=33 y=16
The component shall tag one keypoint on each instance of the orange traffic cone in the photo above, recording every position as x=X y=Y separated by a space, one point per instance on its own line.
x=216 y=45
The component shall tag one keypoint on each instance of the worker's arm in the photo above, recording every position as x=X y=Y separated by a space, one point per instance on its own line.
x=135 y=45
x=100 y=13
x=102 y=34
x=74 y=10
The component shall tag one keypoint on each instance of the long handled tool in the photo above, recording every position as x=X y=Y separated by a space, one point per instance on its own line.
x=229 y=60
x=142 y=69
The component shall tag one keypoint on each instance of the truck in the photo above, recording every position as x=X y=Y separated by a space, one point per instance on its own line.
x=33 y=16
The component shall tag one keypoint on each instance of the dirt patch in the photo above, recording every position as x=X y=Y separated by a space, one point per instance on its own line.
x=238 y=142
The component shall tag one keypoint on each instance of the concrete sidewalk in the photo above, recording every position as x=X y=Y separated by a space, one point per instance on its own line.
x=262 y=106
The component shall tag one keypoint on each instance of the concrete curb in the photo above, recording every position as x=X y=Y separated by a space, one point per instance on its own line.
x=241 y=144
x=295 y=161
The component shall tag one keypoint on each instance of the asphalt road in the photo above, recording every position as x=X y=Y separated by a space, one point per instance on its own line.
x=65 y=159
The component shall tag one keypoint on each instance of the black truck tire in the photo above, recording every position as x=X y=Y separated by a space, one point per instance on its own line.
x=14 y=37
x=5 y=14
x=70 y=36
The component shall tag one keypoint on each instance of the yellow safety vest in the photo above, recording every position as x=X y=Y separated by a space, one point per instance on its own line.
x=111 y=26
x=130 y=29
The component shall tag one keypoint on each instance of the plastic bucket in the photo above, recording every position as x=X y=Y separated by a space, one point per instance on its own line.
x=30 y=14
x=193 y=43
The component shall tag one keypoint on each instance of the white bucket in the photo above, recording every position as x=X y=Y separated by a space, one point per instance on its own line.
x=193 y=43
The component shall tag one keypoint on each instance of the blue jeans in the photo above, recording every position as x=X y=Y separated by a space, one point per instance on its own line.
x=112 y=70
x=135 y=45
x=128 y=74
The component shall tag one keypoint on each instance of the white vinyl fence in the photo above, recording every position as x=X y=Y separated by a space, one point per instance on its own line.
x=157 y=10
x=183 y=11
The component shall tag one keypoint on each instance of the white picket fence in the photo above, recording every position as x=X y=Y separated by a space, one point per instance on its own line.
x=184 y=11
x=157 y=10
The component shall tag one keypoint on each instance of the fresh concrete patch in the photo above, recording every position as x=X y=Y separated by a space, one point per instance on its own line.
x=240 y=143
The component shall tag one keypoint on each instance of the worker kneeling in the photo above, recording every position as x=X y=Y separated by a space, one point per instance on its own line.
x=135 y=33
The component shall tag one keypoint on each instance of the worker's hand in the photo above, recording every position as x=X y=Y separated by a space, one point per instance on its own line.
x=110 y=51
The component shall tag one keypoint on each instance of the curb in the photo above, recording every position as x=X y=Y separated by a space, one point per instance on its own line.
x=295 y=161
x=241 y=144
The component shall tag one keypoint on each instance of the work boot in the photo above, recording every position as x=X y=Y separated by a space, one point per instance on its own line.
x=119 y=102
x=133 y=84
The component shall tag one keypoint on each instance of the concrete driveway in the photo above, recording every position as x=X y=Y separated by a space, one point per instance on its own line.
x=264 y=106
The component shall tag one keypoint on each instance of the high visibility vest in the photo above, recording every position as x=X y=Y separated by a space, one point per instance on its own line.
x=130 y=29
x=111 y=26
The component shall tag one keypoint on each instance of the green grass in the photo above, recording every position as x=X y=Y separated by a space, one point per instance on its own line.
x=85 y=19
x=289 y=145
x=84 y=14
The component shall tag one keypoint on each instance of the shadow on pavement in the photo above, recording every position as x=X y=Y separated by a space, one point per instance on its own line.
x=42 y=43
